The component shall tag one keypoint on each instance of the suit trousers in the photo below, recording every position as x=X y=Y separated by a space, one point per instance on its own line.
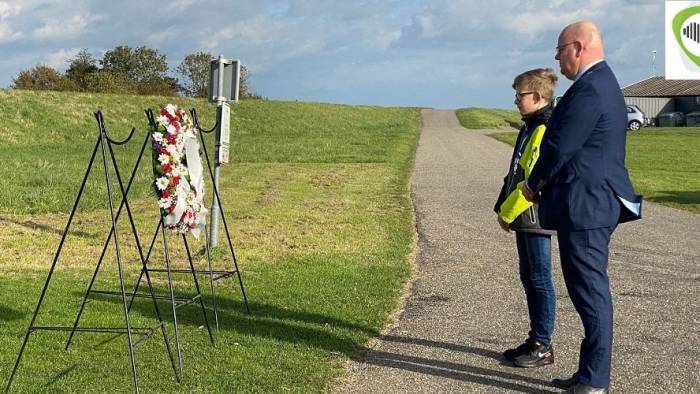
x=584 y=261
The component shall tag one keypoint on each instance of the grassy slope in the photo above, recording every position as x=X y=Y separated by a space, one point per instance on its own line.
x=318 y=203
x=664 y=164
x=488 y=118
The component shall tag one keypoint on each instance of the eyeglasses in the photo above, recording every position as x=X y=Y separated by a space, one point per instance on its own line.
x=558 y=49
x=519 y=96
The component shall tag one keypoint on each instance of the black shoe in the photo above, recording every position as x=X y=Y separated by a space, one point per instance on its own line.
x=511 y=354
x=565 y=383
x=537 y=355
x=583 y=389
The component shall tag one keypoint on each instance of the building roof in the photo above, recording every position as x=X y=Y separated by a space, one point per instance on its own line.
x=661 y=87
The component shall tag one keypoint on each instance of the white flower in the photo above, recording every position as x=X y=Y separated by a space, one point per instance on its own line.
x=163 y=159
x=170 y=129
x=171 y=109
x=165 y=202
x=162 y=120
x=158 y=137
x=162 y=183
x=172 y=149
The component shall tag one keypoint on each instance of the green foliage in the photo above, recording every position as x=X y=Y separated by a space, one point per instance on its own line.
x=488 y=118
x=110 y=82
x=42 y=77
x=139 y=64
x=80 y=68
x=244 y=85
x=663 y=162
x=318 y=205
x=144 y=68
x=194 y=70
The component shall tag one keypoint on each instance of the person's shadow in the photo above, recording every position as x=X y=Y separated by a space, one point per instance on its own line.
x=302 y=327
x=451 y=370
x=9 y=314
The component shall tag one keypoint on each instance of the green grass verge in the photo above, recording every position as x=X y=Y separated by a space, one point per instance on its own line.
x=663 y=162
x=488 y=118
x=317 y=199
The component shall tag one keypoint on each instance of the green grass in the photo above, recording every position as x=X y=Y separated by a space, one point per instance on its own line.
x=317 y=200
x=663 y=162
x=488 y=118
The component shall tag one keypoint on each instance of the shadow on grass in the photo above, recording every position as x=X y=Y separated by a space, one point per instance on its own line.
x=265 y=320
x=8 y=314
x=676 y=197
x=42 y=227
x=61 y=375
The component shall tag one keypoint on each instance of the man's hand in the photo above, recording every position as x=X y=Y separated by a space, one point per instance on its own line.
x=528 y=194
x=503 y=224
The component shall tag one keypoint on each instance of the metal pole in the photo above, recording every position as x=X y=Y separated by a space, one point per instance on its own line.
x=214 y=217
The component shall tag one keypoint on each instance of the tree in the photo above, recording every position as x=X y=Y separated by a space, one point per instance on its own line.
x=109 y=82
x=195 y=72
x=42 y=77
x=145 y=67
x=81 y=66
x=243 y=85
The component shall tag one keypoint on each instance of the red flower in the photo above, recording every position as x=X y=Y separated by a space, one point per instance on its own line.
x=176 y=180
x=166 y=168
x=166 y=194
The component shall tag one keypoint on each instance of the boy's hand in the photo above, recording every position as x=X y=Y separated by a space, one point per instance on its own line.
x=527 y=193
x=503 y=224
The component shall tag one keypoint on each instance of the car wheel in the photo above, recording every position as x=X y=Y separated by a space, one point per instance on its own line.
x=635 y=125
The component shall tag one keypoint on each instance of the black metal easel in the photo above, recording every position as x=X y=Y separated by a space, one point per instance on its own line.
x=104 y=140
x=214 y=275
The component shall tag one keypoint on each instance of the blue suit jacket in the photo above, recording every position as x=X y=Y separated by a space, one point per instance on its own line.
x=581 y=172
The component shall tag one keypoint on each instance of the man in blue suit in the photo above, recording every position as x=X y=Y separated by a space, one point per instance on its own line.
x=584 y=191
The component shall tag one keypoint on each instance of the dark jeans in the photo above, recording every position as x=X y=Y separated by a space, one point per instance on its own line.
x=535 y=253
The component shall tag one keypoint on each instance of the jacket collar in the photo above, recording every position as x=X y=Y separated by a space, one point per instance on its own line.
x=591 y=67
x=538 y=117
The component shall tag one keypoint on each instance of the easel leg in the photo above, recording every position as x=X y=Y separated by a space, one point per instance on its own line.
x=196 y=285
x=172 y=295
x=211 y=277
x=53 y=264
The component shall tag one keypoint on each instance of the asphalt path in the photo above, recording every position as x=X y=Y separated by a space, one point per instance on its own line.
x=466 y=304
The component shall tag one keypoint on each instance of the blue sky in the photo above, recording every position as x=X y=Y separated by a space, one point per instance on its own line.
x=442 y=53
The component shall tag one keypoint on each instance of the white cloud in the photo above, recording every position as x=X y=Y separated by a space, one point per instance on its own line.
x=57 y=28
x=8 y=9
x=59 y=59
x=7 y=34
x=180 y=5
x=454 y=52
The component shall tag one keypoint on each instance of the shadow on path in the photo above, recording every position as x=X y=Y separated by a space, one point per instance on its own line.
x=450 y=370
